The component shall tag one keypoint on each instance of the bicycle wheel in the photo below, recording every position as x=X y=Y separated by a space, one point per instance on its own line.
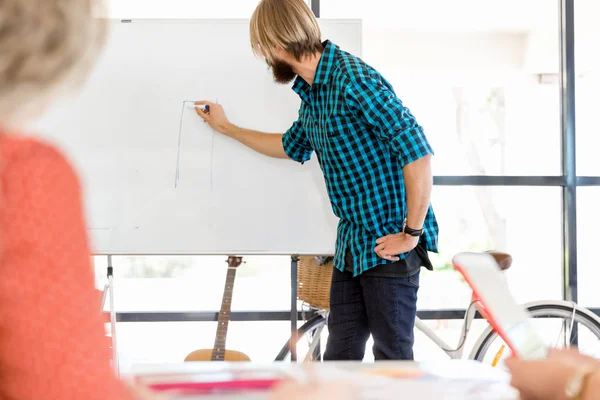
x=313 y=326
x=569 y=317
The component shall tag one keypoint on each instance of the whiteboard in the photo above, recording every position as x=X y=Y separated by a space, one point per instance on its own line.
x=122 y=133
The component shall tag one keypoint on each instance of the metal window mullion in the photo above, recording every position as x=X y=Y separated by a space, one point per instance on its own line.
x=315 y=6
x=567 y=117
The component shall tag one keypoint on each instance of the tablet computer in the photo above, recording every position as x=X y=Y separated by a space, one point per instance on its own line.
x=509 y=319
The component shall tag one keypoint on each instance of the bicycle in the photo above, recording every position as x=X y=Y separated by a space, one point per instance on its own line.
x=571 y=317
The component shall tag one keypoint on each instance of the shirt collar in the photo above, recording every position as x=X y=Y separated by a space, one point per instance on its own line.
x=323 y=72
x=326 y=63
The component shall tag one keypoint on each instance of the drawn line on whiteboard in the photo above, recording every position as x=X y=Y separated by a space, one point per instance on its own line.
x=212 y=153
x=179 y=144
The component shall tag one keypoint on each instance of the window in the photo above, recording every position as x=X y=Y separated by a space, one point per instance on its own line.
x=524 y=222
x=471 y=79
x=171 y=342
x=185 y=283
x=587 y=68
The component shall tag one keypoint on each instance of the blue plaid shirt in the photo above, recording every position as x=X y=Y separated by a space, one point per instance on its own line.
x=363 y=136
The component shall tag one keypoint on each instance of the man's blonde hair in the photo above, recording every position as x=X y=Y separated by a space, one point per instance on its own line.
x=44 y=43
x=286 y=24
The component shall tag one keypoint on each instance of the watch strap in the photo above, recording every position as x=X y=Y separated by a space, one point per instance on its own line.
x=413 y=232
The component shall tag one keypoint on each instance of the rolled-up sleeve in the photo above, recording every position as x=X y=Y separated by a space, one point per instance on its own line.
x=296 y=143
x=388 y=118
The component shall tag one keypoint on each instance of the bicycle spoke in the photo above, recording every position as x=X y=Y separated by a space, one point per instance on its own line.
x=313 y=343
x=307 y=340
x=562 y=335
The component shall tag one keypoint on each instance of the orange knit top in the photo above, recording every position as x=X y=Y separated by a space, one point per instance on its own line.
x=52 y=341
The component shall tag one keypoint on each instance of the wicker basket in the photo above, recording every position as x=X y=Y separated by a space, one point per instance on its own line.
x=314 y=282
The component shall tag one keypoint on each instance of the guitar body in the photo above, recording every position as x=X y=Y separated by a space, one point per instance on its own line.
x=206 y=355
x=219 y=351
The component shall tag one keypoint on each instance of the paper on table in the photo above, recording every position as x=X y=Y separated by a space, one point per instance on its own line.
x=450 y=380
x=371 y=387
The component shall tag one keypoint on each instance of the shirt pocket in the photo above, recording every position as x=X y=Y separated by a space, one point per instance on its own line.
x=339 y=127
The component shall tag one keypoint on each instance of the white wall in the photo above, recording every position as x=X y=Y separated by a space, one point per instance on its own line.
x=453 y=53
x=127 y=9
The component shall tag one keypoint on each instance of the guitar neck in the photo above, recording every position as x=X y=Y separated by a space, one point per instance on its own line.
x=224 y=317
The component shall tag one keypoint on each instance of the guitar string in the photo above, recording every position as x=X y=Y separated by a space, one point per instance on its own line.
x=219 y=349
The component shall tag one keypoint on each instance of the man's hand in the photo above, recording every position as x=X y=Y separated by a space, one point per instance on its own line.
x=265 y=143
x=214 y=116
x=388 y=247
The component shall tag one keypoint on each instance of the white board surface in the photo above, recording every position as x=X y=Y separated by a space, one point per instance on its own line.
x=122 y=132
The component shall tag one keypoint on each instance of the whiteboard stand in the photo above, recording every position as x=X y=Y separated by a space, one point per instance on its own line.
x=294 y=308
x=113 y=315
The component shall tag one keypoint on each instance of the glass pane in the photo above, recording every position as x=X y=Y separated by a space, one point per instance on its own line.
x=588 y=260
x=129 y=9
x=184 y=283
x=524 y=222
x=483 y=83
x=171 y=342
x=587 y=67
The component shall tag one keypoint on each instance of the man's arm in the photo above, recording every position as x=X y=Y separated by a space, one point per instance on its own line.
x=418 y=181
x=268 y=144
x=265 y=143
x=391 y=122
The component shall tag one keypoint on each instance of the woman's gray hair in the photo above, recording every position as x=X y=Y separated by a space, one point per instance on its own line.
x=43 y=45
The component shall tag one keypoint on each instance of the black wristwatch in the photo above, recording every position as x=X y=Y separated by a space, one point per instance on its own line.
x=413 y=232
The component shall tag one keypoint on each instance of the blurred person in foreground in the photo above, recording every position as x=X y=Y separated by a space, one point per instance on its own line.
x=564 y=375
x=52 y=339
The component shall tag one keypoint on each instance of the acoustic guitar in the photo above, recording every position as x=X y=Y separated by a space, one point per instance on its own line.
x=219 y=351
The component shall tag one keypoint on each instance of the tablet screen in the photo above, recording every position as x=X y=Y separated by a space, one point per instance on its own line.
x=510 y=319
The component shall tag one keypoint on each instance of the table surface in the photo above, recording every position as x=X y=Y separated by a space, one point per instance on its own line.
x=440 y=380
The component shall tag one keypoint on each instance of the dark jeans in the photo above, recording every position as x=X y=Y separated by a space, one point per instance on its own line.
x=385 y=307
